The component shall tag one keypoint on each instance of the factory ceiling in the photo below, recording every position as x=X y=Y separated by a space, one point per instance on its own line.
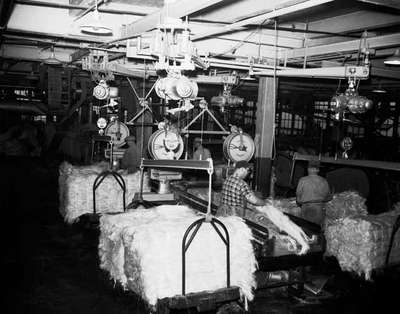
x=235 y=34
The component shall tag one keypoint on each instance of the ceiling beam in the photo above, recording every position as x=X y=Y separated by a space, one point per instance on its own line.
x=386 y=73
x=29 y=53
x=110 y=7
x=353 y=22
x=361 y=72
x=55 y=36
x=263 y=17
x=177 y=9
x=6 y=8
x=385 y=3
x=87 y=10
x=341 y=47
x=264 y=38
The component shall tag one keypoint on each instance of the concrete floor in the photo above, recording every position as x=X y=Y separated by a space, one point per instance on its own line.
x=49 y=267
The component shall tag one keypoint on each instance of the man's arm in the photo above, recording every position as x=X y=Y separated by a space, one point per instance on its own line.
x=299 y=192
x=253 y=199
x=283 y=222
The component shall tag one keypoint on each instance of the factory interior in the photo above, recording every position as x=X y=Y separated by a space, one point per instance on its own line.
x=208 y=156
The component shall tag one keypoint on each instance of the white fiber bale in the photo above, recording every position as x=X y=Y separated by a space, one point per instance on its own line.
x=360 y=242
x=142 y=251
x=76 y=190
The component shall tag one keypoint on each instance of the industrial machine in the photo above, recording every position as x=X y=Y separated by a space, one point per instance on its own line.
x=238 y=146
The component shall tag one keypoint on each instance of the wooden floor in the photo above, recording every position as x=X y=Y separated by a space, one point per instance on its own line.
x=49 y=267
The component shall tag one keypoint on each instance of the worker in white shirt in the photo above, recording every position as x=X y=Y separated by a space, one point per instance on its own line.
x=200 y=152
x=312 y=193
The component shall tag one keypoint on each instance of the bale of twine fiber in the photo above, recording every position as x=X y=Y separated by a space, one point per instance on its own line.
x=142 y=251
x=343 y=205
x=76 y=190
x=360 y=242
x=288 y=206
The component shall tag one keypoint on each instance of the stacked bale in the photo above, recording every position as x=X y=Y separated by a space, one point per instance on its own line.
x=360 y=243
x=142 y=251
x=76 y=190
x=345 y=204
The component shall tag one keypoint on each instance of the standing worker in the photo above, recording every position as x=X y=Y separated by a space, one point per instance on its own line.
x=131 y=158
x=312 y=193
x=200 y=153
x=235 y=195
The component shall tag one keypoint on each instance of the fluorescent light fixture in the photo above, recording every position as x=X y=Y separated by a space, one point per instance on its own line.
x=393 y=59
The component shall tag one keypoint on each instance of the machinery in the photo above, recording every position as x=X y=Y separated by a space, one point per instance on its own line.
x=226 y=99
x=350 y=100
x=165 y=144
x=238 y=146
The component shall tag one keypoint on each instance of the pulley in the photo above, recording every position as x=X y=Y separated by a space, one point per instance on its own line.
x=172 y=88
x=101 y=91
x=227 y=101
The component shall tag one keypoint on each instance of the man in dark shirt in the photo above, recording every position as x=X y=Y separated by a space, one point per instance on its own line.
x=131 y=158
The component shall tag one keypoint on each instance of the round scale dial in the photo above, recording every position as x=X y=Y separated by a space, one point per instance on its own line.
x=165 y=145
x=118 y=132
x=239 y=146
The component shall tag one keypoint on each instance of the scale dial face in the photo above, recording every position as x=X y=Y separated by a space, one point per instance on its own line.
x=346 y=143
x=165 y=145
x=118 y=132
x=101 y=123
x=239 y=147
x=101 y=91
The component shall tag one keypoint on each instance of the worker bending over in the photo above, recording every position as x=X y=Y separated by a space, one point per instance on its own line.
x=200 y=152
x=312 y=193
x=131 y=158
x=235 y=195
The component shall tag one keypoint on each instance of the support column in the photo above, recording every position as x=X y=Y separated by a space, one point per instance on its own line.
x=265 y=123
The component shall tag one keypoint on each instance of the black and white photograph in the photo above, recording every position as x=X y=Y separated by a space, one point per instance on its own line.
x=200 y=156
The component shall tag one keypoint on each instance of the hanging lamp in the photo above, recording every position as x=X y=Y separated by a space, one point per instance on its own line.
x=52 y=60
x=393 y=59
x=379 y=89
x=95 y=27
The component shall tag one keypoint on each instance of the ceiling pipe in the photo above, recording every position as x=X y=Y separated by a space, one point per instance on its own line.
x=263 y=18
x=79 y=39
x=96 y=4
x=75 y=7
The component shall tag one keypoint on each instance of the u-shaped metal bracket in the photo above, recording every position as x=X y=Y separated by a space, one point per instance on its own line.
x=396 y=227
x=100 y=178
x=185 y=245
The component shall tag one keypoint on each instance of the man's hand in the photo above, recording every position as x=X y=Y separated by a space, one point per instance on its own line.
x=253 y=199
x=285 y=224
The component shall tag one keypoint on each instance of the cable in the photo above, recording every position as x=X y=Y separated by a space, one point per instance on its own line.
x=144 y=113
x=274 y=113
x=202 y=128
x=239 y=44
